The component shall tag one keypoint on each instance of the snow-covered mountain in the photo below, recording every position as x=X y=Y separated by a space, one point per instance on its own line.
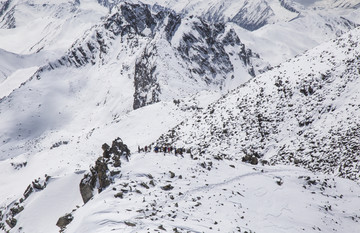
x=303 y=112
x=250 y=15
x=133 y=57
x=75 y=75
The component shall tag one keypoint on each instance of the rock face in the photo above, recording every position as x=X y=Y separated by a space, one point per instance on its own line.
x=299 y=113
x=247 y=21
x=4 y=6
x=105 y=169
x=8 y=21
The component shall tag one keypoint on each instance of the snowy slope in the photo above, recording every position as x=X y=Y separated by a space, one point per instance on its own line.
x=279 y=30
x=10 y=62
x=220 y=196
x=279 y=42
x=303 y=112
x=183 y=193
x=31 y=26
x=64 y=155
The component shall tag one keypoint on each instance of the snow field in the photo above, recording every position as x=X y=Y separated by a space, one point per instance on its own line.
x=218 y=197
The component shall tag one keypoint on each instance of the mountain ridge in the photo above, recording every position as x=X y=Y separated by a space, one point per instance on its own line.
x=276 y=114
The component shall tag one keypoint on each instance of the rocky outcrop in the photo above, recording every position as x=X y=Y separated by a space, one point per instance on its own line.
x=147 y=88
x=4 y=6
x=106 y=168
x=8 y=213
x=64 y=221
x=8 y=20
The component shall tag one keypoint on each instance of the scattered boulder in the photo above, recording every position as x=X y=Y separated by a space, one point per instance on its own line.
x=167 y=187
x=64 y=221
x=252 y=159
x=130 y=224
x=11 y=222
x=143 y=184
x=119 y=195
x=16 y=209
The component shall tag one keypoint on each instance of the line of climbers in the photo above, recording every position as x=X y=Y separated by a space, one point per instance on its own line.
x=165 y=149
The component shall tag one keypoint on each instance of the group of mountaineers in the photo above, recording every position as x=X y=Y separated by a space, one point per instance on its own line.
x=164 y=149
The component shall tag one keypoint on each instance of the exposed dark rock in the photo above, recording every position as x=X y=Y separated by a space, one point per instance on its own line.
x=119 y=195
x=131 y=224
x=37 y=185
x=16 y=209
x=87 y=185
x=18 y=166
x=205 y=51
x=57 y=144
x=11 y=222
x=64 y=221
x=119 y=148
x=8 y=21
x=28 y=191
x=147 y=88
x=106 y=149
x=97 y=176
x=4 y=6
x=105 y=169
x=174 y=22
x=143 y=184
x=167 y=187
